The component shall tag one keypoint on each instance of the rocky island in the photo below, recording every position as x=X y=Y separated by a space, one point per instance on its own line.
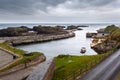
x=73 y=27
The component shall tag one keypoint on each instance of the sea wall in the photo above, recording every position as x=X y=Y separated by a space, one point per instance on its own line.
x=36 y=38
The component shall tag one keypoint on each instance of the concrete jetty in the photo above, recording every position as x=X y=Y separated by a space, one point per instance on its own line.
x=36 y=38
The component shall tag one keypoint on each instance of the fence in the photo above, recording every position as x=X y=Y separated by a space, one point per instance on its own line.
x=80 y=72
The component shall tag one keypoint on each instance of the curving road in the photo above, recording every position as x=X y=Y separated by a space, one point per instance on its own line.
x=106 y=70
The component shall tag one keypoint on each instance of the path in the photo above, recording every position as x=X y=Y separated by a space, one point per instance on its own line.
x=5 y=58
x=106 y=70
x=38 y=70
x=18 y=75
x=41 y=70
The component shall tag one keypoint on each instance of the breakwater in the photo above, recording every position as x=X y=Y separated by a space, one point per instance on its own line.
x=18 y=40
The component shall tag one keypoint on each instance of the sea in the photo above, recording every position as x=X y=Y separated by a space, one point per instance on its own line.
x=70 y=46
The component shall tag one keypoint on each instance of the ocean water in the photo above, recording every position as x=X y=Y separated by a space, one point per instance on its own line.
x=70 y=46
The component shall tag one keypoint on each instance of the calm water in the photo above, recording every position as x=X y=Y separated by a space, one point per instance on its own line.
x=65 y=46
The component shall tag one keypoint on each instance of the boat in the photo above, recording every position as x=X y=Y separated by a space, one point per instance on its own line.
x=83 y=50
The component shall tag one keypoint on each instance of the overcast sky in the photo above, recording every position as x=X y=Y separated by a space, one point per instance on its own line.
x=59 y=10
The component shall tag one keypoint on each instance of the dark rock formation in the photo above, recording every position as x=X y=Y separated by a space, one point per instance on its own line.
x=89 y=35
x=79 y=28
x=49 y=30
x=71 y=27
x=25 y=31
x=74 y=27
x=82 y=26
x=13 y=31
x=104 y=47
x=60 y=26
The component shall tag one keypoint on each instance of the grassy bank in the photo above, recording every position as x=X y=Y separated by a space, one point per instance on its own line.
x=21 y=53
x=70 y=67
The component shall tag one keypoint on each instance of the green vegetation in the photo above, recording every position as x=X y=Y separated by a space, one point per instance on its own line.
x=111 y=28
x=21 y=53
x=67 y=67
x=114 y=34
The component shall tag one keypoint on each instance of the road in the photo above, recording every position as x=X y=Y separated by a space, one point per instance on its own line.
x=106 y=70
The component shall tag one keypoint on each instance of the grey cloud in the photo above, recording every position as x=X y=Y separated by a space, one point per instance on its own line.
x=98 y=2
x=52 y=2
x=83 y=4
x=31 y=6
x=16 y=6
x=43 y=4
x=26 y=6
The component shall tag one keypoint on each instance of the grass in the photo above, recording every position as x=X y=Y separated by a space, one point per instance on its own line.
x=21 y=53
x=118 y=76
x=67 y=66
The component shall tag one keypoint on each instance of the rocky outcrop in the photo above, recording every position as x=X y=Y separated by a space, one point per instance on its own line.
x=89 y=35
x=73 y=27
x=104 y=47
x=25 y=31
x=82 y=26
x=108 y=42
x=13 y=31
x=60 y=26
x=49 y=30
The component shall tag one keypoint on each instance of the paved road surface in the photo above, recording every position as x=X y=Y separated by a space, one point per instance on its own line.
x=18 y=75
x=105 y=70
x=5 y=58
x=117 y=77
x=40 y=71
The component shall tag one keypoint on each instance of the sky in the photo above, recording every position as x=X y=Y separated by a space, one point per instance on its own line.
x=60 y=11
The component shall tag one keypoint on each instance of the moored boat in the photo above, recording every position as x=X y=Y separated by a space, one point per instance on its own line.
x=83 y=50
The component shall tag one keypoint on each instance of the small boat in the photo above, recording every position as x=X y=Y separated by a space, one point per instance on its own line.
x=83 y=50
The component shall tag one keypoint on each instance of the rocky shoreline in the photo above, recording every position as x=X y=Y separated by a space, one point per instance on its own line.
x=105 y=43
x=25 y=35
x=18 y=40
